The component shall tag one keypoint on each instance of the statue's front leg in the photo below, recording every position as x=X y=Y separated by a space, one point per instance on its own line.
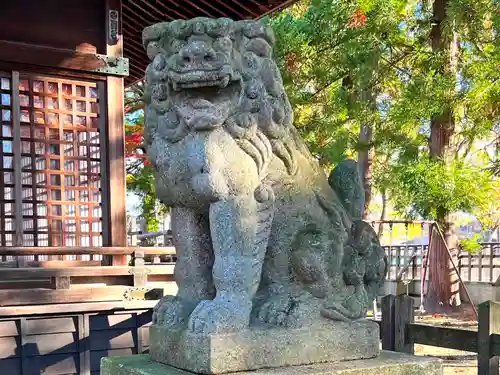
x=240 y=230
x=193 y=269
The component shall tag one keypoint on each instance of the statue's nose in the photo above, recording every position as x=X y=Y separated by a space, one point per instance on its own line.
x=197 y=52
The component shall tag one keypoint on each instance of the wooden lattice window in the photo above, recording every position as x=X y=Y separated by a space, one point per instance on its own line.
x=7 y=210
x=51 y=162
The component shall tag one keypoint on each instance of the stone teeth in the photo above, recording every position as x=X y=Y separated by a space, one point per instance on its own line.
x=224 y=82
x=226 y=69
x=175 y=86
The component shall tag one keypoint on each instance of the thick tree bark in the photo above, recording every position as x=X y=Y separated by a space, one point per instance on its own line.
x=362 y=90
x=367 y=154
x=365 y=162
x=444 y=286
x=383 y=214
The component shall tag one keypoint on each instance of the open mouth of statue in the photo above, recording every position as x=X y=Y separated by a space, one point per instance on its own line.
x=199 y=78
x=203 y=99
x=204 y=86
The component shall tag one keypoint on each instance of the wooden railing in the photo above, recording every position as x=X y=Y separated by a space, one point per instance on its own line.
x=484 y=266
x=73 y=256
x=399 y=332
x=63 y=281
x=79 y=271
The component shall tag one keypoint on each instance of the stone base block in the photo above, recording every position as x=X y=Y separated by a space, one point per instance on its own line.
x=253 y=349
x=388 y=363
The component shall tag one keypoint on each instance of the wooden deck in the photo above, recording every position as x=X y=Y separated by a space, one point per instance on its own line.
x=62 y=316
x=73 y=342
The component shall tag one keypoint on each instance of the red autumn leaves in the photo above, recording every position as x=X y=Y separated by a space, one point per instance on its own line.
x=358 y=19
x=134 y=141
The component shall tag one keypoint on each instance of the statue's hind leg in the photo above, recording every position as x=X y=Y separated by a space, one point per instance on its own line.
x=193 y=270
x=279 y=297
x=312 y=258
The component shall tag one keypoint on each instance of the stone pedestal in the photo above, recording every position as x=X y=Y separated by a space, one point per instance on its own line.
x=256 y=348
x=387 y=363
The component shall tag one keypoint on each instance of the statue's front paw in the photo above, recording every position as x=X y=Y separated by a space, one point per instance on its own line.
x=172 y=310
x=216 y=316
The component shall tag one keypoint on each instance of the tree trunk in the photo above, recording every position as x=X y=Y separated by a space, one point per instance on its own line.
x=367 y=154
x=444 y=287
x=365 y=162
x=380 y=231
x=361 y=90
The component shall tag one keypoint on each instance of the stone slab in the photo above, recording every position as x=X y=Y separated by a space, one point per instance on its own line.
x=257 y=348
x=388 y=363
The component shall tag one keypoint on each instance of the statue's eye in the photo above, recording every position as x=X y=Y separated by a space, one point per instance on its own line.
x=223 y=44
x=176 y=45
x=259 y=46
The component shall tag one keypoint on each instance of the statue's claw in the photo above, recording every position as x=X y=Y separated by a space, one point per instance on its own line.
x=216 y=316
x=171 y=311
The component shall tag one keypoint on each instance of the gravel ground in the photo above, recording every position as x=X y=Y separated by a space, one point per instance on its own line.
x=455 y=361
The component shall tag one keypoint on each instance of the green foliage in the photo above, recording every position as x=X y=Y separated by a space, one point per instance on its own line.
x=142 y=183
x=140 y=177
x=431 y=189
x=329 y=56
x=471 y=245
x=347 y=64
x=488 y=211
x=342 y=73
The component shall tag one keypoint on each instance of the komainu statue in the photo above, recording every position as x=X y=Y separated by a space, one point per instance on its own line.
x=262 y=236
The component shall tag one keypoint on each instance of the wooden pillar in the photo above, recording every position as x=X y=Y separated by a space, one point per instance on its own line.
x=387 y=326
x=403 y=315
x=397 y=313
x=115 y=181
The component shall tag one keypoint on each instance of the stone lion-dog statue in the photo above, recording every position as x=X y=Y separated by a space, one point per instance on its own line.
x=262 y=235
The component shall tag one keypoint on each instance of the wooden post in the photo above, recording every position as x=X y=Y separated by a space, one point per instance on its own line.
x=115 y=131
x=133 y=232
x=492 y=262
x=139 y=270
x=387 y=326
x=403 y=314
x=18 y=189
x=61 y=282
x=84 y=343
x=489 y=323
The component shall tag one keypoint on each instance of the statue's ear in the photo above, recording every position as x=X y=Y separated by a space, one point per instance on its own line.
x=152 y=37
x=269 y=35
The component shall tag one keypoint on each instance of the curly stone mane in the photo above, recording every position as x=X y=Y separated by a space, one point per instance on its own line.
x=262 y=120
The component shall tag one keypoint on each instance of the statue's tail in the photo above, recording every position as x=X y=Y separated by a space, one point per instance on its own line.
x=346 y=182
